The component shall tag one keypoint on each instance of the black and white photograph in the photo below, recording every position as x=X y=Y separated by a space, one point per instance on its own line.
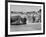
x=24 y=18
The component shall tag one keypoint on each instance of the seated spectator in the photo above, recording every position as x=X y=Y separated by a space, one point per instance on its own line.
x=18 y=20
x=24 y=20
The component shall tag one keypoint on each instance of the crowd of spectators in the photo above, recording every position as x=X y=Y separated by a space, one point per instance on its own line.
x=20 y=18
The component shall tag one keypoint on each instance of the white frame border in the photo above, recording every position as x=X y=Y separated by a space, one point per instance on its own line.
x=23 y=32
